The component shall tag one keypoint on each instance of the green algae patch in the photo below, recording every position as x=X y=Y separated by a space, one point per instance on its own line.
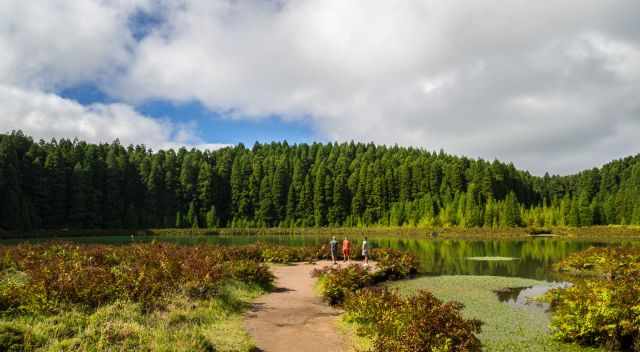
x=506 y=327
x=492 y=259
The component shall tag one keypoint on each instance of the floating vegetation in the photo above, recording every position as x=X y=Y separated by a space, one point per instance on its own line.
x=507 y=327
x=492 y=259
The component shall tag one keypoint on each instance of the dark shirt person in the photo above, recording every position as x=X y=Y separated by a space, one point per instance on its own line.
x=333 y=244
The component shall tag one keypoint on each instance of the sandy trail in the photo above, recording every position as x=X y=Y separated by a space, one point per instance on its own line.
x=293 y=317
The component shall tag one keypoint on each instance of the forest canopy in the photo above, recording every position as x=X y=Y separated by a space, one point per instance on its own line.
x=73 y=184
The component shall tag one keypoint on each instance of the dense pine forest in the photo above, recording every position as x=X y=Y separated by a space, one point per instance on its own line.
x=73 y=184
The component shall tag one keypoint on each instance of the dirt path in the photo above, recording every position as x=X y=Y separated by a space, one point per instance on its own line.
x=293 y=317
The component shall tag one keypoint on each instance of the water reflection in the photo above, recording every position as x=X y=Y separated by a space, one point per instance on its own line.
x=448 y=257
x=526 y=296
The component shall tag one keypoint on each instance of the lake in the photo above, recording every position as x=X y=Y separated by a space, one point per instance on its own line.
x=527 y=258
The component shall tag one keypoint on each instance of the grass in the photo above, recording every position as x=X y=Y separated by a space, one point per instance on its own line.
x=355 y=342
x=185 y=324
x=506 y=327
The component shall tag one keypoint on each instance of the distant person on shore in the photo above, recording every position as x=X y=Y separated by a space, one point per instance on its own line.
x=334 y=249
x=346 y=250
x=365 y=251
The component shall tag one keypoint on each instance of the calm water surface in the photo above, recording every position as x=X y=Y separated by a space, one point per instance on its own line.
x=533 y=257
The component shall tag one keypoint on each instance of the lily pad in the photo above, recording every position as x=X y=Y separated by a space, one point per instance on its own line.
x=492 y=259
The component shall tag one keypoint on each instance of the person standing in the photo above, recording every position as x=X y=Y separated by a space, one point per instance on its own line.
x=334 y=249
x=346 y=250
x=365 y=251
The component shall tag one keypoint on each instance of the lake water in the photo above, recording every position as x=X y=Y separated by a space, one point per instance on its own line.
x=531 y=258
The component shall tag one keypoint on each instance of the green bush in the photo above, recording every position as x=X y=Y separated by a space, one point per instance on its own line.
x=337 y=283
x=251 y=272
x=602 y=308
x=412 y=324
x=393 y=264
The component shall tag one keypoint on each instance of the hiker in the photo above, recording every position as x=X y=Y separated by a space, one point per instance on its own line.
x=346 y=250
x=334 y=249
x=365 y=251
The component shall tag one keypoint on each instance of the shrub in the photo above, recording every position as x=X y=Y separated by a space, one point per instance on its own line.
x=251 y=272
x=412 y=324
x=337 y=283
x=604 y=308
x=393 y=264
x=43 y=277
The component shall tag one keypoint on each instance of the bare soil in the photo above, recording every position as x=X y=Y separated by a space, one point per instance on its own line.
x=293 y=317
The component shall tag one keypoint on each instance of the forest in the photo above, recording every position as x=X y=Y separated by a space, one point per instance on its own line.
x=66 y=183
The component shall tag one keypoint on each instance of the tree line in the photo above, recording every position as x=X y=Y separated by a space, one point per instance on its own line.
x=74 y=184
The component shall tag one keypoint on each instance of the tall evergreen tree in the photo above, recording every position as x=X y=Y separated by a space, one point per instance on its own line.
x=69 y=183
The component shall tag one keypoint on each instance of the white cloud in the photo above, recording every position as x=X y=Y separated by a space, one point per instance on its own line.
x=56 y=44
x=550 y=86
x=45 y=116
x=544 y=85
x=46 y=44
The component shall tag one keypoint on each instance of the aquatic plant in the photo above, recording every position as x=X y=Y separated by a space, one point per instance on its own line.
x=492 y=259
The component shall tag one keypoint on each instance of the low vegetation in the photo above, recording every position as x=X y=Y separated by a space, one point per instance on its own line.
x=44 y=278
x=394 y=322
x=155 y=296
x=602 y=308
x=505 y=327
x=336 y=283
x=416 y=323
x=61 y=296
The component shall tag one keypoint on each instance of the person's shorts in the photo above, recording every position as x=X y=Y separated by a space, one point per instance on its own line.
x=365 y=253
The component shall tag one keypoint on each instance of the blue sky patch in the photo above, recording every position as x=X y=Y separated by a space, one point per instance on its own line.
x=141 y=23
x=213 y=127
x=217 y=128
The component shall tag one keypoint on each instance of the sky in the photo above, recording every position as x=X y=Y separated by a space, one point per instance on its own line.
x=550 y=86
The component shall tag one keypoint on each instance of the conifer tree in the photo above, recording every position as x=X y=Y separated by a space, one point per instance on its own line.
x=113 y=201
x=212 y=219
x=266 y=212
x=319 y=198
x=67 y=183
x=79 y=191
x=192 y=216
x=57 y=182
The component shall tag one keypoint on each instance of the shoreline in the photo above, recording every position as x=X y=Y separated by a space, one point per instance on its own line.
x=601 y=232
